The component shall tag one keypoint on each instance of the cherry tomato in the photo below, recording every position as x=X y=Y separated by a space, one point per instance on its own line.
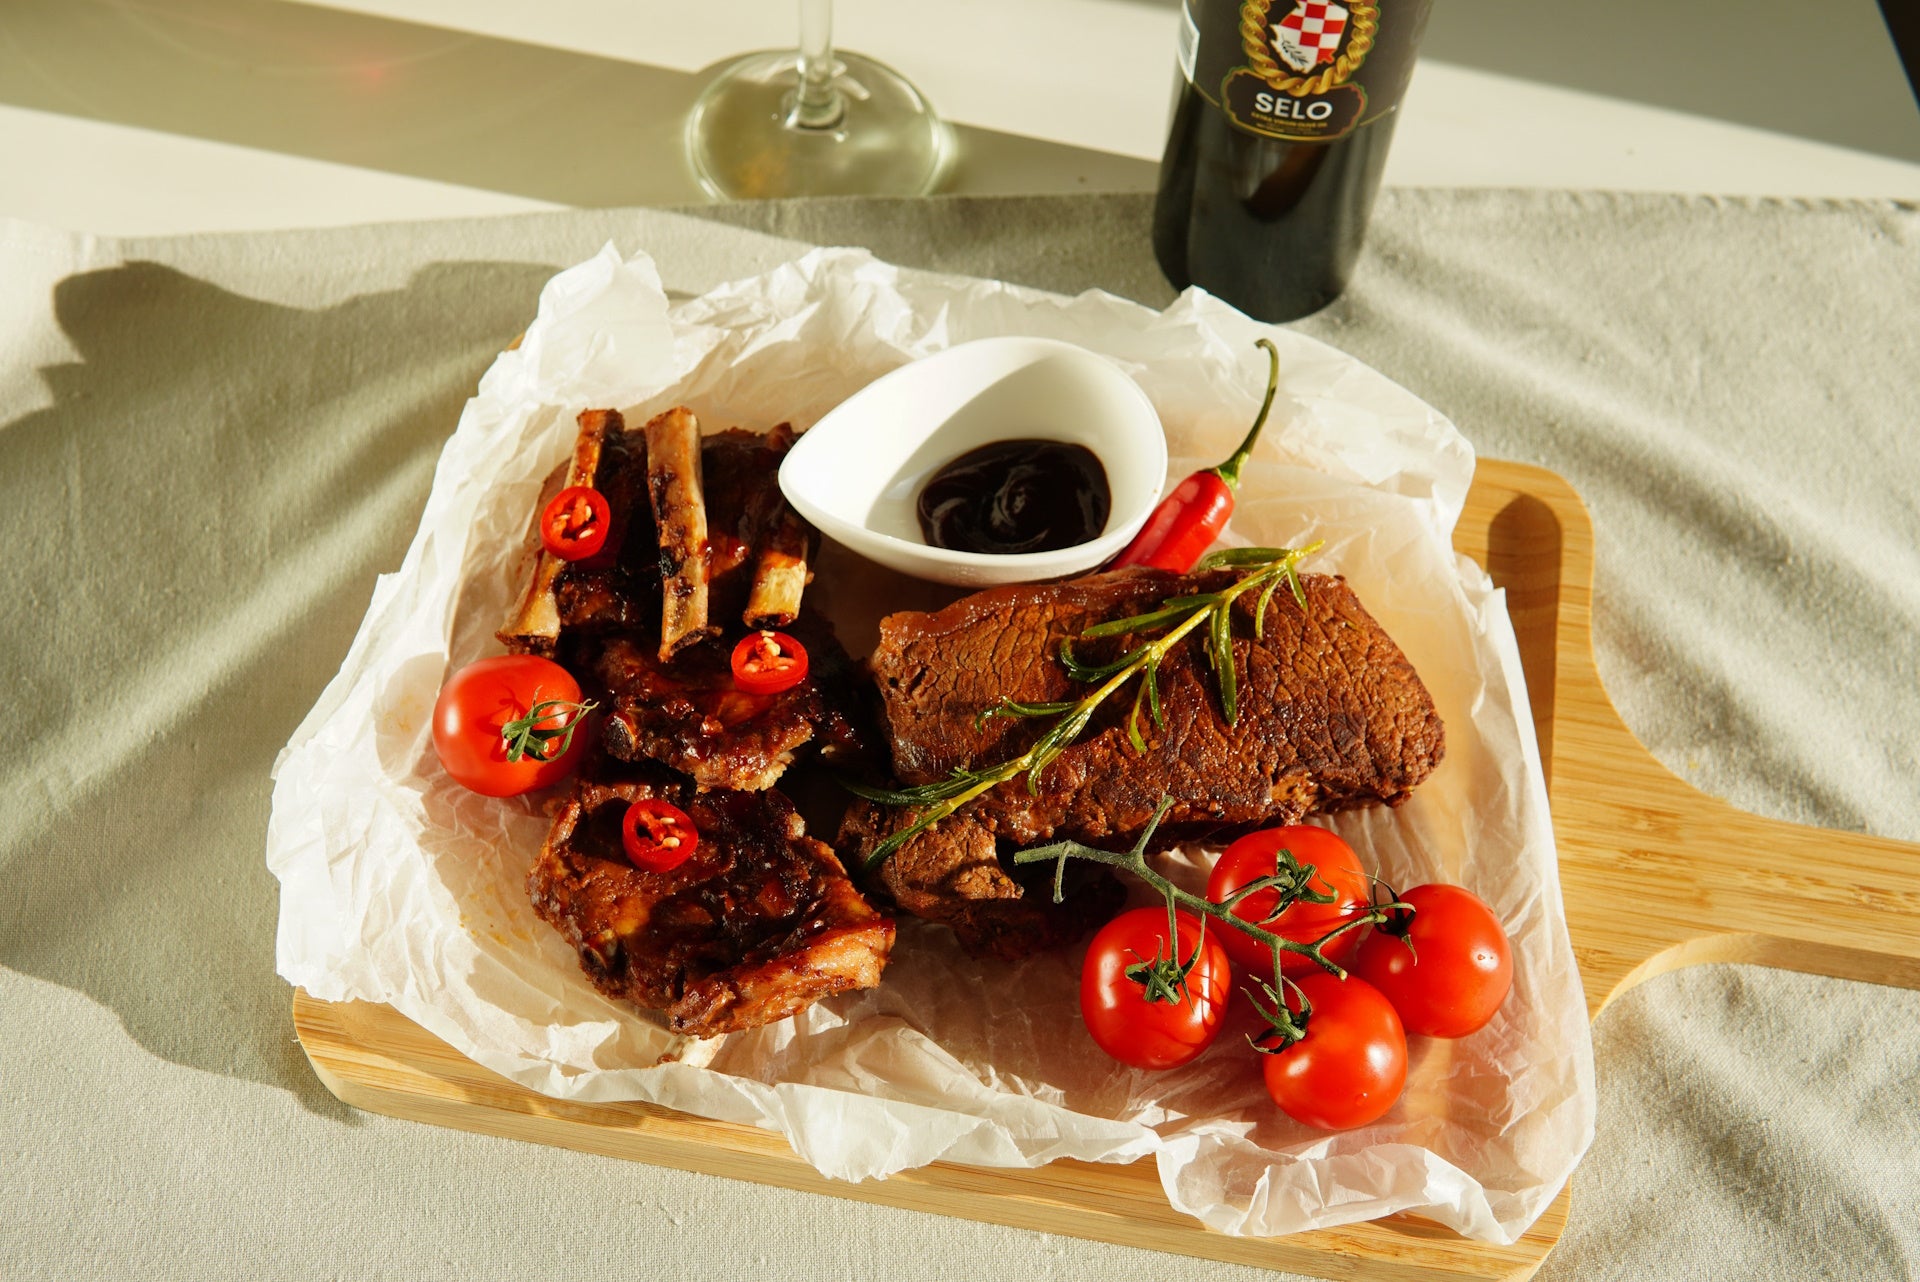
x=575 y=524
x=1337 y=871
x=1123 y=1020
x=1456 y=974
x=1352 y=1064
x=658 y=835
x=768 y=662
x=488 y=707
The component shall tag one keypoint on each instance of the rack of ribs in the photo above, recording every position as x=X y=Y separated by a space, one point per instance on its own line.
x=1332 y=716
x=760 y=922
x=702 y=535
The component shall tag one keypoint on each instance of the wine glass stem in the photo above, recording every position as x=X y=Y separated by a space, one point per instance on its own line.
x=817 y=104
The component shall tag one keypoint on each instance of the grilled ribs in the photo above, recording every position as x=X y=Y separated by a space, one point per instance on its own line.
x=687 y=714
x=600 y=594
x=1331 y=716
x=760 y=922
x=754 y=550
x=758 y=546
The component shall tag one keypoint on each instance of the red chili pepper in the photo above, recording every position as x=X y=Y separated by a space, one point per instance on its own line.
x=575 y=524
x=768 y=662
x=658 y=835
x=1188 y=520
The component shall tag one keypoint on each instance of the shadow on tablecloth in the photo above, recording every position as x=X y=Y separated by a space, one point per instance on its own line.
x=196 y=522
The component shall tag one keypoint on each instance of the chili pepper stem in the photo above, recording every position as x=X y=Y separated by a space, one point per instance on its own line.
x=1229 y=471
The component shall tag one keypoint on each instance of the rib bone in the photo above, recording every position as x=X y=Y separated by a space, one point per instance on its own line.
x=680 y=511
x=535 y=625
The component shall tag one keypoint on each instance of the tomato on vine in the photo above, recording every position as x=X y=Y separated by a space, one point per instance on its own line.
x=1338 y=879
x=1446 y=966
x=505 y=725
x=1148 y=1002
x=1349 y=1065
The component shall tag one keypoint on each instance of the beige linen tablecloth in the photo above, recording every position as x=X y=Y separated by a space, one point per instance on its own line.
x=210 y=446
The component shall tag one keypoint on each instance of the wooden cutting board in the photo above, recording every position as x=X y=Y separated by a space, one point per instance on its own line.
x=1656 y=876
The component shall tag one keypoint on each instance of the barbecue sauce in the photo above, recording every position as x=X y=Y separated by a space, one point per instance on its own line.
x=1016 y=496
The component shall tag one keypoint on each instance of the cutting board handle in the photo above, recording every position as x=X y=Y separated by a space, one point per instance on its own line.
x=1656 y=874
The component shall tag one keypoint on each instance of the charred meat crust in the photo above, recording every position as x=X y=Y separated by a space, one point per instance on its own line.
x=759 y=923
x=563 y=596
x=689 y=716
x=617 y=597
x=953 y=874
x=1332 y=716
x=758 y=546
x=730 y=546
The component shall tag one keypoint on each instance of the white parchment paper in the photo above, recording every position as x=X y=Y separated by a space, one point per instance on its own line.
x=399 y=886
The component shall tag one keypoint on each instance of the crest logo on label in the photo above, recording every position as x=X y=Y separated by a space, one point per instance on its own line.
x=1310 y=35
x=1303 y=58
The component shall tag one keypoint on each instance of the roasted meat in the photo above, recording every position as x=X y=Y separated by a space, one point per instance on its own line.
x=598 y=595
x=728 y=542
x=1332 y=716
x=758 y=924
x=758 y=546
x=952 y=873
x=687 y=714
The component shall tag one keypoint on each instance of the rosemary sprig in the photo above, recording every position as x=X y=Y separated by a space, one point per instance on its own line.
x=1263 y=570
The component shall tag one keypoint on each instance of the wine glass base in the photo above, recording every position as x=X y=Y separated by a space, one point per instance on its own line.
x=742 y=146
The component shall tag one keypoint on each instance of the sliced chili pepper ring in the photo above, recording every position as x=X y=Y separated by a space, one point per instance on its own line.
x=768 y=662
x=576 y=522
x=658 y=836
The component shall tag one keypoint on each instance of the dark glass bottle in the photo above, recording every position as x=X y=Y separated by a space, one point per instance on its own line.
x=1270 y=172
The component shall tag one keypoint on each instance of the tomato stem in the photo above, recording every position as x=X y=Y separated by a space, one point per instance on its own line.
x=1289 y=884
x=527 y=737
x=1285 y=1026
x=1165 y=978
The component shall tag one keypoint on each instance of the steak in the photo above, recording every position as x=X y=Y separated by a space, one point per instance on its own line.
x=1331 y=716
x=758 y=923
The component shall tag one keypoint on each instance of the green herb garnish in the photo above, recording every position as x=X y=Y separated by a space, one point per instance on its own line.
x=1263 y=571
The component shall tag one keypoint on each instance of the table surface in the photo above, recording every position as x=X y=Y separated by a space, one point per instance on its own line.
x=142 y=117
x=1758 y=610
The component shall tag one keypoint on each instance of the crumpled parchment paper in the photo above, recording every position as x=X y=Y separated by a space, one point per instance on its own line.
x=399 y=886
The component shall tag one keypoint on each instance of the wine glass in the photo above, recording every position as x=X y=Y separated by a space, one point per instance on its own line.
x=813 y=123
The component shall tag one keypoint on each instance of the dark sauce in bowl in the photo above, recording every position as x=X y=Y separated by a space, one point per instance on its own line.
x=1016 y=496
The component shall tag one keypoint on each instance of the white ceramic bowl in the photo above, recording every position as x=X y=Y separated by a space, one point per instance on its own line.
x=857 y=474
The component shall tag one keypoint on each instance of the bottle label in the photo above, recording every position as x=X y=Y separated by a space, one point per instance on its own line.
x=1313 y=70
